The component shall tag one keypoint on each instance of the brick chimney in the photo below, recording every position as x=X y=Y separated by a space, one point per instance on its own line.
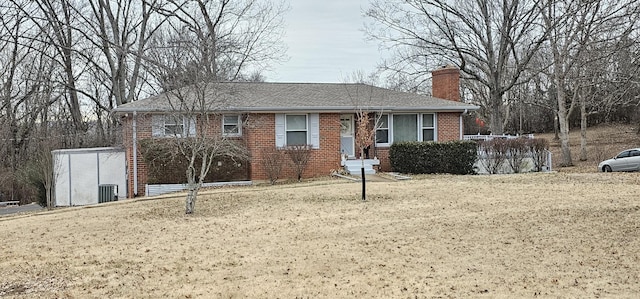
x=445 y=83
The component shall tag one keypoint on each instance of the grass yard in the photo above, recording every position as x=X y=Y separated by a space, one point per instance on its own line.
x=561 y=235
x=603 y=142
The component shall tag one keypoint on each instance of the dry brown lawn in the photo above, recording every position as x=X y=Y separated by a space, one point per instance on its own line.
x=571 y=234
x=603 y=142
x=559 y=235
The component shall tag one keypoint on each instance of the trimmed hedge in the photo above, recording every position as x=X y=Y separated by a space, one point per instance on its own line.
x=455 y=157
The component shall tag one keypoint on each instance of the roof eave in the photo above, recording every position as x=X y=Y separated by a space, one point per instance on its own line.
x=320 y=109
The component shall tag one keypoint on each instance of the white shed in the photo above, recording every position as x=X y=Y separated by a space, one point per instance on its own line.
x=89 y=175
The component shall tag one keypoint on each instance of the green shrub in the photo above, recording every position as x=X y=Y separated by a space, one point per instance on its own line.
x=455 y=157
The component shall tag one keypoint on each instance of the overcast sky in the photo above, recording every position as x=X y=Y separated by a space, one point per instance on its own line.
x=325 y=41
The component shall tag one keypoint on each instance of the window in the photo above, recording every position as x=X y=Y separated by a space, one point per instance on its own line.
x=382 y=131
x=624 y=154
x=296 y=129
x=428 y=127
x=231 y=125
x=405 y=127
x=173 y=126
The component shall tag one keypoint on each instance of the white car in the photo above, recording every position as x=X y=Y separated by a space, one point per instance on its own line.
x=627 y=160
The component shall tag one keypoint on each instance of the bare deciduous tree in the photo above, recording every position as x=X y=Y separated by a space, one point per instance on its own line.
x=203 y=43
x=227 y=40
x=492 y=42
x=575 y=26
x=195 y=109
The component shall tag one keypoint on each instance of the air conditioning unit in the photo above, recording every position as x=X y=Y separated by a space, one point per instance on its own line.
x=107 y=193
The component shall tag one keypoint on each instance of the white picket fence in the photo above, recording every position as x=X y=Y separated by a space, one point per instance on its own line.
x=490 y=137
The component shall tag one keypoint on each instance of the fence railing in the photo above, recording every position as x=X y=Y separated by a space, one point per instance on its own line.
x=490 y=137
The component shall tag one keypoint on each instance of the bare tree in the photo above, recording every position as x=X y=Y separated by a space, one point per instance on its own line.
x=367 y=122
x=202 y=44
x=492 y=42
x=228 y=40
x=121 y=30
x=573 y=27
x=26 y=93
x=609 y=69
x=195 y=111
x=57 y=21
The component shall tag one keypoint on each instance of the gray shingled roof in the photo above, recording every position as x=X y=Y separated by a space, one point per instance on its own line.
x=288 y=97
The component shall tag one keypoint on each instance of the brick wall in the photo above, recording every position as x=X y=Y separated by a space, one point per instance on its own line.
x=448 y=130
x=144 y=131
x=445 y=83
x=449 y=126
x=260 y=134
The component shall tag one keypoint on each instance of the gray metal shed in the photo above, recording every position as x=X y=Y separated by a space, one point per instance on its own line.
x=89 y=175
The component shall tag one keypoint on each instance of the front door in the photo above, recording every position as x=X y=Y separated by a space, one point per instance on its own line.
x=347 y=136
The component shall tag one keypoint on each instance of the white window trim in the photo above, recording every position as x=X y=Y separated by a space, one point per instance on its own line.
x=238 y=123
x=435 y=126
x=388 y=128
x=159 y=126
x=306 y=130
x=419 y=126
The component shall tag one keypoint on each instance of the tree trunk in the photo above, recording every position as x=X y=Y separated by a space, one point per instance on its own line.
x=563 y=121
x=191 y=198
x=49 y=196
x=555 y=126
x=193 y=186
x=496 y=124
x=583 y=130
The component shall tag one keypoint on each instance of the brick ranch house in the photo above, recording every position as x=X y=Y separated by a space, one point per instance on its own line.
x=274 y=115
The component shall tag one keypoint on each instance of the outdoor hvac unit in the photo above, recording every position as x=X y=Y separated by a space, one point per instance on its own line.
x=107 y=193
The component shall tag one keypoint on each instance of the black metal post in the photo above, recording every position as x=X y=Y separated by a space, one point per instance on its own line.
x=364 y=189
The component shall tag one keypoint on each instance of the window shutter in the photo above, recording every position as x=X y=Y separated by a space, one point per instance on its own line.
x=157 y=125
x=280 y=131
x=190 y=124
x=314 y=130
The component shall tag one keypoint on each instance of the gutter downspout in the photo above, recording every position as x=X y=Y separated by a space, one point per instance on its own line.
x=462 y=124
x=135 y=154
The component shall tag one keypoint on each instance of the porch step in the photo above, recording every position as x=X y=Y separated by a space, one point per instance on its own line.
x=353 y=167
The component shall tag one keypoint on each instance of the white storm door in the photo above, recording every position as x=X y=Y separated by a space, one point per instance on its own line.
x=347 y=136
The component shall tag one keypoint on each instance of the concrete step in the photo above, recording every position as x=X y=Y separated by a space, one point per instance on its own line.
x=358 y=162
x=358 y=172
x=353 y=166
